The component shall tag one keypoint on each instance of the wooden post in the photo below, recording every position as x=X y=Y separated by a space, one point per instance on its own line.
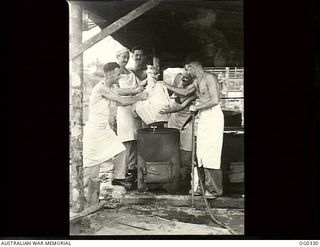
x=227 y=77
x=192 y=159
x=76 y=107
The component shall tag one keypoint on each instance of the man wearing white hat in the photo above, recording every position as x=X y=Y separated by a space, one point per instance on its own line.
x=127 y=124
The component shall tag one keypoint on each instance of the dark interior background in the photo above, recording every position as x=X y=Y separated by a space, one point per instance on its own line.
x=174 y=29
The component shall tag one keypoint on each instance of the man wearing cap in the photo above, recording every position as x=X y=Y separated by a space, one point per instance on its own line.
x=127 y=124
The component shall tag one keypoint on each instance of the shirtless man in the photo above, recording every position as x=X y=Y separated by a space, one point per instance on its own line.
x=210 y=125
x=140 y=68
x=100 y=143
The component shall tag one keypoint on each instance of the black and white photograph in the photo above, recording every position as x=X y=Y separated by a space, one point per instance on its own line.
x=157 y=118
x=160 y=120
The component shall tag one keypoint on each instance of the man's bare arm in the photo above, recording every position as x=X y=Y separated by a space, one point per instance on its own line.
x=177 y=107
x=181 y=91
x=122 y=101
x=188 y=100
x=213 y=90
x=128 y=92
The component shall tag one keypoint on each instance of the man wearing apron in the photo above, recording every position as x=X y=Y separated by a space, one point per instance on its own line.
x=100 y=143
x=210 y=125
x=180 y=119
x=127 y=124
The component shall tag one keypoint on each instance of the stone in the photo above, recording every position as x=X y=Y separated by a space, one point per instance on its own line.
x=118 y=192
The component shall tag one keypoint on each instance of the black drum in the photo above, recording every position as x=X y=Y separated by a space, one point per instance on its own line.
x=158 y=158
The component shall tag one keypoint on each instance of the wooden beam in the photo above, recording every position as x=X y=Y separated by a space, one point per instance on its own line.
x=113 y=27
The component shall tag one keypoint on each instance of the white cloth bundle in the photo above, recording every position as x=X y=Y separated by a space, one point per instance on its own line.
x=170 y=73
x=148 y=110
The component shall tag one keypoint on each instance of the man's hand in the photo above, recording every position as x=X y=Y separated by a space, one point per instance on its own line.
x=143 y=96
x=170 y=109
x=139 y=89
x=193 y=108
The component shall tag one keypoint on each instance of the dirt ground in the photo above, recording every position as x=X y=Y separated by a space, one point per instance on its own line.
x=139 y=219
x=158 y=220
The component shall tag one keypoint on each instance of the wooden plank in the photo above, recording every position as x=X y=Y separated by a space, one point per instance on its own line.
x=114 y=27
x=90 y=210
x=181 y=200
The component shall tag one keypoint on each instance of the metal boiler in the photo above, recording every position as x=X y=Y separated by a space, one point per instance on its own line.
x=158 y=158
x=232 y=157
